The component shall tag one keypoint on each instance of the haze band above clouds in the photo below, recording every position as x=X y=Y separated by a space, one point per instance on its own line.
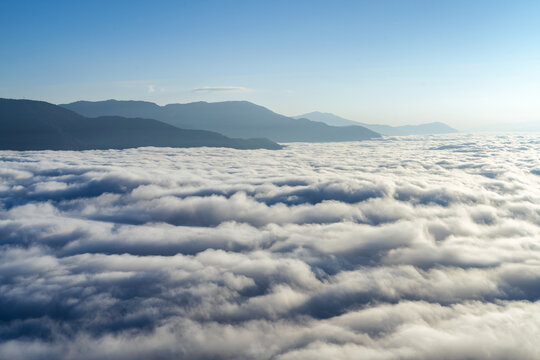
x=411 y=248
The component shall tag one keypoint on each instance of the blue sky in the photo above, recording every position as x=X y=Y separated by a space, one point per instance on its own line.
x=467 y=63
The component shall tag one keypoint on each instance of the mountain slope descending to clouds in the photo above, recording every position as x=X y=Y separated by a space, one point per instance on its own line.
x=422 y=129
x=37 y=125
x=232 y=118
x=328 y=118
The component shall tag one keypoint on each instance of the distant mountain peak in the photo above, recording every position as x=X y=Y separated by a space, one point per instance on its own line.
x=328 y=118
x=37 y=125
x=242 y=119
x=435 y=127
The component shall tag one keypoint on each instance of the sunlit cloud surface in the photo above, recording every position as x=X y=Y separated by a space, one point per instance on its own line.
x=411 y=248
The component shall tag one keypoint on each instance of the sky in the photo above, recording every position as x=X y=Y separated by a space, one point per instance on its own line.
x=467 y=63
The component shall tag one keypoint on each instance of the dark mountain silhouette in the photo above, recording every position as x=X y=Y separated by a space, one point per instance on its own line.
x=422 y=129
x=37 y=125
x=232 y=118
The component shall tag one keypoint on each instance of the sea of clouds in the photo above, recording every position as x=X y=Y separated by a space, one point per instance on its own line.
x=403 y=248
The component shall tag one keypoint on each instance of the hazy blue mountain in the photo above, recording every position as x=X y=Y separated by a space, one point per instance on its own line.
x=422 y=129
x=328 y=118
x=232 y=118
x=37 y=125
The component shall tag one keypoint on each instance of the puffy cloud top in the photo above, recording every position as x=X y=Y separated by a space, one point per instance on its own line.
x=405 y=248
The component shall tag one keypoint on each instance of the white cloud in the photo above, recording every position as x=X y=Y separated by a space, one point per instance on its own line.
x=221 y=89
x=410 y=248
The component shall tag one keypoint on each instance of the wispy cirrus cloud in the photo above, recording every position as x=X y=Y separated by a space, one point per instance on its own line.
x=221 y=89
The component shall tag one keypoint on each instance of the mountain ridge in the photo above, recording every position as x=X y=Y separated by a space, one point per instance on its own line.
x=232 y=118
x=421 y=129
x=38 y=125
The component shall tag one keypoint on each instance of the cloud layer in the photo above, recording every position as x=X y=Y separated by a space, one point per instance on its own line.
x=411 y=248
x=221 y=89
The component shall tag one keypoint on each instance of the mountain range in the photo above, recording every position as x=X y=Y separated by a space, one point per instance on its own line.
x=422 y=129
x=37 y=125
x=231 y=118
x=118 y=124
